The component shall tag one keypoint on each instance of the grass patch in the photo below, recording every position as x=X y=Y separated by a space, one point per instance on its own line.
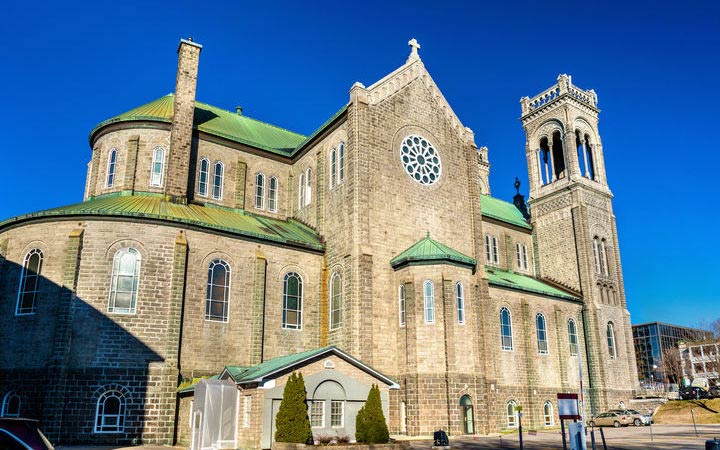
x=678 y=411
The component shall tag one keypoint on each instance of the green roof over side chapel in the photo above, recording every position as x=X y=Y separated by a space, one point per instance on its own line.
x=429 y=251
x=514 y=280
x=503 y=211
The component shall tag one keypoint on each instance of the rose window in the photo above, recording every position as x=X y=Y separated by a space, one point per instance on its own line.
x=420 y=159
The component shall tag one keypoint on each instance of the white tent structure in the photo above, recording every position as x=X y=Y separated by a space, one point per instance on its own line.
x=214 y=415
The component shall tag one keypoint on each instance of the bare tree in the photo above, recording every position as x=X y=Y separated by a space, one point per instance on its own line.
x=672 y=365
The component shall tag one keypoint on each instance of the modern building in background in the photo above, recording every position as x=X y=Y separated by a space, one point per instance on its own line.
x=652 y=339
x=700 y=362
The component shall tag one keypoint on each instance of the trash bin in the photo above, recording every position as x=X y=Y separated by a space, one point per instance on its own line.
x=712 y=444
x=440 y=439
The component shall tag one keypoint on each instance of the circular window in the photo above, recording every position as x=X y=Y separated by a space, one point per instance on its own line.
x=420 y=159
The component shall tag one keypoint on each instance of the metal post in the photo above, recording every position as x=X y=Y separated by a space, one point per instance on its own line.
x=520 y=428
x=651 y=433
x=562 y=430
x=692 y=413
x=602 y=435
x=592 y=438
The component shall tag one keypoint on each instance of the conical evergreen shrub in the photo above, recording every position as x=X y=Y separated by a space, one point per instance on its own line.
x=370 y=426
x=291 y=421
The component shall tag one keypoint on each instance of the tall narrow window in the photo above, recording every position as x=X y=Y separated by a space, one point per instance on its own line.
x=218 y=175
x=337 y=412
x=596 y=254
x=603 y=257
x=259 y=191
x=158 y=165
x=272 y=194
x=341 y=162
x=611 y=340
x=511 y=413
x=548 y=414
x=460 y=303
x=10 y=405
x=518 y=255
x=401 y=304
x=110 y=413
x=541 y=327
x=506 y=329
x=429 y=291
x=524 y=257
x=572 y=337
x=488 y=249
x=336 y=301
x=292 y=301
x=112 y=161
x=124 y=281
x=301 y=189
x=29 y=283
x=217 y=299
x=203 y=177
x=308 y=186
x=333 y=168
x=247 y=409
x=495 y=249
x=317 y=414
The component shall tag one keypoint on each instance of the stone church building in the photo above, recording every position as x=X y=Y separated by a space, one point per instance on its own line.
x=211 y=244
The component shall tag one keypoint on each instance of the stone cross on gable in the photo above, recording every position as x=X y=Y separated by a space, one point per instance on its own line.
x=413 y=43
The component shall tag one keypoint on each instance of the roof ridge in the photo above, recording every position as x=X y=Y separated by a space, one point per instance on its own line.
x=250 y=118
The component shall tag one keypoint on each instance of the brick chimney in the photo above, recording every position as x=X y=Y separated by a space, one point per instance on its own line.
x=176 y=185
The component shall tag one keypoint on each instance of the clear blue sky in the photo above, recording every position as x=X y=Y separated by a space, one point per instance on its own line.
x=66 y=66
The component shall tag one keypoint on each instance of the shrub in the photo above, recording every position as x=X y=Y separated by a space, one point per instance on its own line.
x=292 y=422
x=370 y=426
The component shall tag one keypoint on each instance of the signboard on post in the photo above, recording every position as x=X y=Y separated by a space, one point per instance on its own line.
x=568 y=407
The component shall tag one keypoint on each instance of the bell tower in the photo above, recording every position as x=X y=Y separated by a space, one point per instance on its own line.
x=575 y=230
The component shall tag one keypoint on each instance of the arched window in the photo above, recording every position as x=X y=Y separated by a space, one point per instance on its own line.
x=429 y=295
x=292 y=301
x=603 y=257
x=585 y=154
x=506 y=329
x=518 y=255
x=541 y=327
x=495 y=249
x=401 y=304
x=217 y=299
x=10 y=405
x=491 y=249
x=558 y=155
x=259 y=191
x=29 y=283
x=272 y=194
x=124 y=281
x=308 y=186
x=544 y=162
x=110 y=412
x=611 y=340
x=112 y=161
x=521 y=256
x=488 y=249
x=218 y=175
x=158 y=165
x=548 y=414
x=341 y=163
x=596 y=253
x=524 y=257
x=203 y=177
x=460 y=299
x=572 y=337
x=301 y=189
x=511 y=414
x=333 y=168
x=336 y=301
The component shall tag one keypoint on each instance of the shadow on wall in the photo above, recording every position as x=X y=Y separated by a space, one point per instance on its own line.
x=74 y=368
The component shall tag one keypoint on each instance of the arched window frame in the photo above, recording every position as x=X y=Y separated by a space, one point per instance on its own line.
x=612 y=349
x=157 y=169
x=203 y=174
x=301 y=189
x=506 y=337
x=292 y=302
x=117 y=276
x=548 y=415
x=596 y=254
x=511 y=414
x=336 y=306
x=308 y=186
x=401 y=304
x=341 y=163
x=217 y=293
x=218 y=176
x=603 y=257
x=542 y=338
x=111 y=166
x=114 y=421
x=273 y=194
x=573 y=337
x=460 y=302
x=29 y=287
x=11 y=405
x=260 y=190
x=429 y=301
x=333 y=168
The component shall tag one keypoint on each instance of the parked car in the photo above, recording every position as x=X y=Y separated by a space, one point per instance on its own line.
x=714 y=392
x=22 y=434
x=638 y=419
x=610 y=419
x=693 y=393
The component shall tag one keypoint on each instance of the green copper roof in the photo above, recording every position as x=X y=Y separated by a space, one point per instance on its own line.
x=503 y=211
x=218 y=122
x=429 y=251
x=498 y=277
x=238 y=222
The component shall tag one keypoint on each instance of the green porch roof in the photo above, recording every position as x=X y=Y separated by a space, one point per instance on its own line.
x=154 y=207
x=504 y=211
x=429 y=251
x=503 y=278
x=217 y=122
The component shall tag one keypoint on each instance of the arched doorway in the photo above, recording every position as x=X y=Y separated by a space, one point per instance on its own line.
x=467 y=412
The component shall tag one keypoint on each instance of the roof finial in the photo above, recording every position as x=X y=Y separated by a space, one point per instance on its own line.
x=517 y=185
x=428 y=234
x=413 y=43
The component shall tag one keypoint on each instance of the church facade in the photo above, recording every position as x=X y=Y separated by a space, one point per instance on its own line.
x=208 y=240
